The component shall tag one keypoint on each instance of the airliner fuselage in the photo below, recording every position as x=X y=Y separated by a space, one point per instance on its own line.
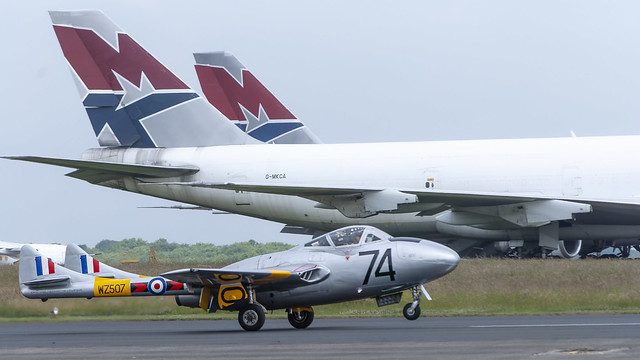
x=593 y=170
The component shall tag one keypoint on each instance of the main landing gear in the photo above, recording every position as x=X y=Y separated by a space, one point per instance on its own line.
x=411 y=311
x=300 y=318
x=251 y=317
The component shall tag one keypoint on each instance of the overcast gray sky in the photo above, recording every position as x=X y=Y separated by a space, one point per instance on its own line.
x=353 y=71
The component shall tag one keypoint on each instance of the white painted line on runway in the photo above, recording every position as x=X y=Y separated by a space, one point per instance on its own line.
x=552 y=325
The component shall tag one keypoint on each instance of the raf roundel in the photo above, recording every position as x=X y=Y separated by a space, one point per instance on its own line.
x=157 y=286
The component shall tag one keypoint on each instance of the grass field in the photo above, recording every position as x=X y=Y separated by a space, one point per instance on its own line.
x=476 y=287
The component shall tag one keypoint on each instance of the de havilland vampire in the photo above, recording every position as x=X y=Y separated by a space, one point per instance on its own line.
x=158 y=137
x=351 y=263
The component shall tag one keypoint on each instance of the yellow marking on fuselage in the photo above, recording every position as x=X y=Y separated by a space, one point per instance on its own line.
x=275 y=275
x=111 y=287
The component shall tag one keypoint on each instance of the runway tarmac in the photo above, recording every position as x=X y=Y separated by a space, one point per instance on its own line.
x=495 y=337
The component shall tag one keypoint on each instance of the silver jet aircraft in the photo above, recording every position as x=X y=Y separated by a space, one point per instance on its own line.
x=350 y=263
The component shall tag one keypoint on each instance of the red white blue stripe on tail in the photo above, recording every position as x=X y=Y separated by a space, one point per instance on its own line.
x=44 y=266
x=89 y=264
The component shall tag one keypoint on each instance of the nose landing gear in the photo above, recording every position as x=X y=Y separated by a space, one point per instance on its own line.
x=411 y=311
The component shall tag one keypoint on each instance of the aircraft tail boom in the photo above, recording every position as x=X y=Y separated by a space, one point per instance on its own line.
x=41 y=278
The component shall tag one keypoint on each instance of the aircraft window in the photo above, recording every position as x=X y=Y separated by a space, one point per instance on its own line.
x=348 y=236
x=319 y=241
x=371 y=238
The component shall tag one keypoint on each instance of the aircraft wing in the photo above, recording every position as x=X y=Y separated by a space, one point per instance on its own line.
x=12 y=251
x=219 y=276
x=454 y=198
x=468 y=208
x=99 y=171
x=274 y=278
x=299 y=190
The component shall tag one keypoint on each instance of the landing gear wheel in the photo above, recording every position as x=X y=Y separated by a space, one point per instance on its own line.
x=251 y=318
x=300 y=319
x=411 y=314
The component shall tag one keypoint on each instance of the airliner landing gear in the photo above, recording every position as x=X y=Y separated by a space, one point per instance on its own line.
x=300 y=318
x=411 y=311
x=251 y=317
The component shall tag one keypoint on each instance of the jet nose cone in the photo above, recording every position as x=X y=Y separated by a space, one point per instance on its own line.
x=440 y=259
x=426 y=259
x=449 y=259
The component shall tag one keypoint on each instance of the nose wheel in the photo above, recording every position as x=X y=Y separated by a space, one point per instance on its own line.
x=411 y=311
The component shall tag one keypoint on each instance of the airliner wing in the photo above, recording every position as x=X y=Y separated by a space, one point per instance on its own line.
x=450 y=198
x=99 y=171
x=453 y=198
x=10 y=249
x=468 y=208
x=302 y=191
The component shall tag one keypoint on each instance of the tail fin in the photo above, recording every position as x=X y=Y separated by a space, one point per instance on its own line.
x=41 y=278
x=79 y=261
x=236 y=93
x=130 y=97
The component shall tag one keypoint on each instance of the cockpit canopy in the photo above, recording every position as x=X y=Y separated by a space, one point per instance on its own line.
x=349 y=236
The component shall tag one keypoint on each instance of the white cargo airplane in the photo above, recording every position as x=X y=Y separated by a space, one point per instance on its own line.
x=160 y=138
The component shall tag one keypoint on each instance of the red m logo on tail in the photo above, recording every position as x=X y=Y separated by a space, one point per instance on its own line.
x=225 y=93
x=95 y=61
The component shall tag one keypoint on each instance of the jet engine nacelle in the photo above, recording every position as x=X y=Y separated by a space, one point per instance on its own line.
x=502 y=247
x=569 y=248
x=192 y=301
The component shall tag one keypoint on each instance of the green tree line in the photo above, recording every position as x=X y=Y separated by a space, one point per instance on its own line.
x=112 y=251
